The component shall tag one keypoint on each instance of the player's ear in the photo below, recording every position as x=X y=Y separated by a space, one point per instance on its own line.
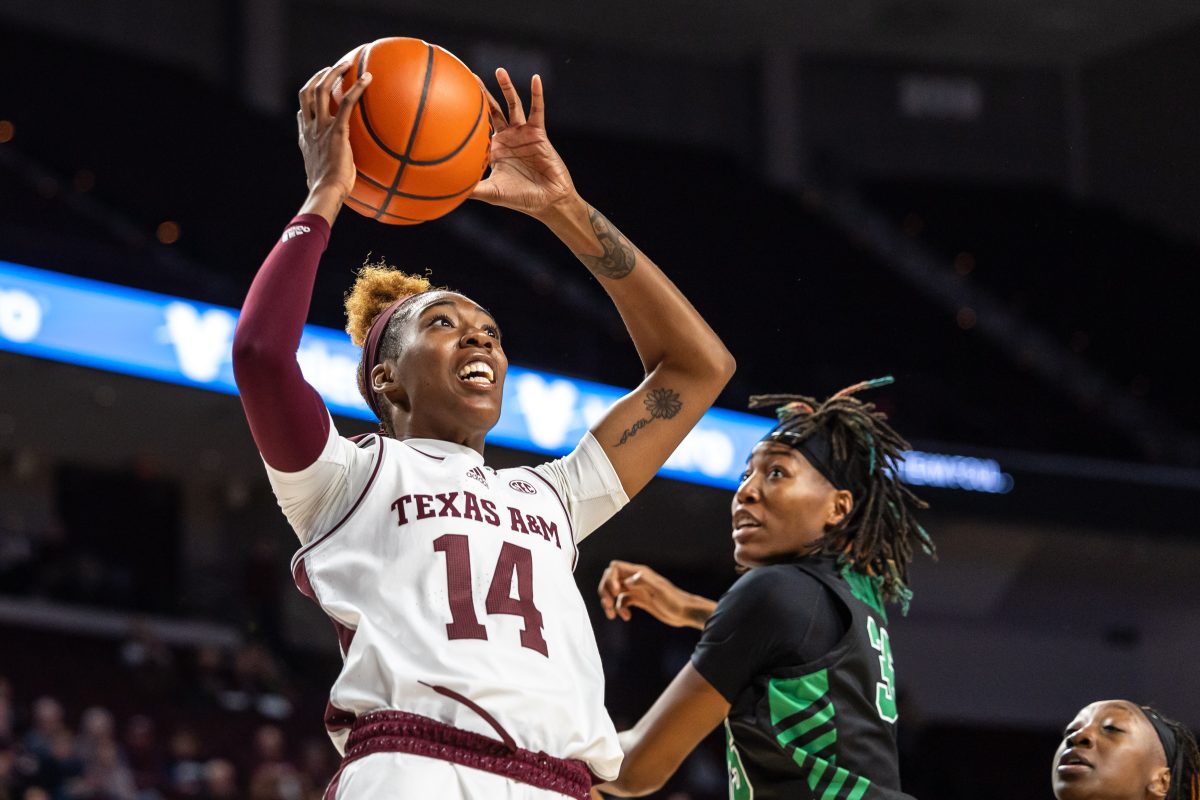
x=840 y=508
x=385 y=380
x=1160 y=783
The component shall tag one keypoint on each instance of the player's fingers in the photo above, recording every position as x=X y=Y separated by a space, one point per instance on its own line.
x=351 y=99
x=614 y=573
x=516 y=111
x=626 y=567
x=640 y=597
x=324 y=91
x=605 y=594
x=495 y=111
x=609 y=588
x=307 y=91
x=622 y=607
x=537 y=103
x=312 y=82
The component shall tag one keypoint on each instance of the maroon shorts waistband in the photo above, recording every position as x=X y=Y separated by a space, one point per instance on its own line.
x=388 y=731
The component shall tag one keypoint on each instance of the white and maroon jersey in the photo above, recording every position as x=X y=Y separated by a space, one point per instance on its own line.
x=451 y=588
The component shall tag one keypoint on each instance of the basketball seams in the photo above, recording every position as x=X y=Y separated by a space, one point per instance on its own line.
x=421 y=176
x=404 y=157
x=366 y=119
x=412 y=134
x=376 y=213
x=397 y=193
x=433 y=162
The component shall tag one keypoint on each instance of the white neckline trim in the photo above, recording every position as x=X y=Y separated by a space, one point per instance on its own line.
x=442 y=448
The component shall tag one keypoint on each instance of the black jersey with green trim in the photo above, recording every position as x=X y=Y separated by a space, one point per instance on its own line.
x=819 y=728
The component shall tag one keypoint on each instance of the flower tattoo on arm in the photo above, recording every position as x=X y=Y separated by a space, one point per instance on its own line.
x=661 y=403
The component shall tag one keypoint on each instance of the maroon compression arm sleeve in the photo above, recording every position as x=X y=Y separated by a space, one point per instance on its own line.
x=287 y=417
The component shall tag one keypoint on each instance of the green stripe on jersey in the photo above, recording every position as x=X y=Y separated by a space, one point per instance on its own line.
x=808 y=698
x=788 y=696
x=866 y=589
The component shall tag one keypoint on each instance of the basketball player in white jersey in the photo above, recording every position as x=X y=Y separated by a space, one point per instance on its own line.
x=470 y=668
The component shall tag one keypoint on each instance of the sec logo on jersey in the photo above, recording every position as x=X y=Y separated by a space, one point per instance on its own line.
x=522 y=487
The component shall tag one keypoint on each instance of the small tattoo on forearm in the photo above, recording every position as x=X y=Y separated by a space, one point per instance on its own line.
x=620 y=255
x=661 y=403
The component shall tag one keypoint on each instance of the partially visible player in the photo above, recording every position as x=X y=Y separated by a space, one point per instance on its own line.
x=795 y=657
x=1118 y=750
x=470 y=668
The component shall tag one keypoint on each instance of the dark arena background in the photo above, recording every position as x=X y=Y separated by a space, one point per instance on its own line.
x=997 y=203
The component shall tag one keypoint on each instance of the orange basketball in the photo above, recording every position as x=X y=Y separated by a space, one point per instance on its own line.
x=420 y=133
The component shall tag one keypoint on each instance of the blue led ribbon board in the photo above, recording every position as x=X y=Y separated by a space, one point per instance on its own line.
x=93 y=324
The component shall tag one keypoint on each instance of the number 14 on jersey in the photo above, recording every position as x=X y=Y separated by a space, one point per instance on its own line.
x=513 y=560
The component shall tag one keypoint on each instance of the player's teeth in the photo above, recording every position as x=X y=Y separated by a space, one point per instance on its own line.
x=477 y=371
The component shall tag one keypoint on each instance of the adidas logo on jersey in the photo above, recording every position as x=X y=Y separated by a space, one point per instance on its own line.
x=294 y=231
x=477 y=474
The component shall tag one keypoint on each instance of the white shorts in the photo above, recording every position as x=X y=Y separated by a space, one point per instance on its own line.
x=403 y=776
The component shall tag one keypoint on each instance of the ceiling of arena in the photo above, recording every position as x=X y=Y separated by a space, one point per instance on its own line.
x=995 y=31
x=972 y=30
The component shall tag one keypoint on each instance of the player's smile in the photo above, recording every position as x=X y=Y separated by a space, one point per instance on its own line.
x=453 y=368
x=478 y=372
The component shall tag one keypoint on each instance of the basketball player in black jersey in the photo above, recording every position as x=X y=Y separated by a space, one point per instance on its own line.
x=795 y=657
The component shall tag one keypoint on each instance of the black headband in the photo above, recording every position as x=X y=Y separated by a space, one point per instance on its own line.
x=1165 y=734
x=817 y=449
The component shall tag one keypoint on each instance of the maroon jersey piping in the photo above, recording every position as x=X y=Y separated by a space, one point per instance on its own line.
x=304 y=551
x=566 y=513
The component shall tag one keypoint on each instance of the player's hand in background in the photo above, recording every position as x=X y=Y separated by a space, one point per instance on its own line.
x=528 y=175
x=626 y=585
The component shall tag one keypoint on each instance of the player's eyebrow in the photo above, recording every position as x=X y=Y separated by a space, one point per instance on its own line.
x=448 y=302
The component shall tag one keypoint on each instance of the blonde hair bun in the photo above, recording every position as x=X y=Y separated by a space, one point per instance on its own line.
x=377 y=286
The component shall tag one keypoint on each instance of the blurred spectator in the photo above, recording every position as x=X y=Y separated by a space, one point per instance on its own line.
x=59 y=771
x=269 y=745
x=220 y=780
x=106 y=776
x=47 y=723
x=96 y=729
x=278 y=781
x=186 y=767
x=273 y=777
x=143 y=753
x=317 y=766
x=8 y=772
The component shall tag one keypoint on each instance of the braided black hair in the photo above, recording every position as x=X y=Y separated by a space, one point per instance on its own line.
x=880 y=533
x=1185 y=766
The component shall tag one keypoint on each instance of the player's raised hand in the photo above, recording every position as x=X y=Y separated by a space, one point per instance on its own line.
x=325 y=133
x=528 y=175
x=626 y=585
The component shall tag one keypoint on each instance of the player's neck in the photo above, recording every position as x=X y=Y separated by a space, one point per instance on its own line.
x=412 y=429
